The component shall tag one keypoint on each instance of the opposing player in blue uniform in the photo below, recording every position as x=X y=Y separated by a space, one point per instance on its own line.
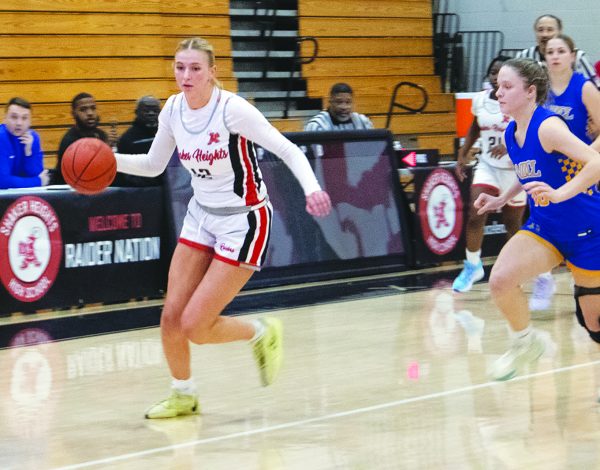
x=572 y=96
x=559 y=172
x=575 y=98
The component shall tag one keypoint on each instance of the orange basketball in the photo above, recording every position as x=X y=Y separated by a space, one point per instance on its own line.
x=88 y=165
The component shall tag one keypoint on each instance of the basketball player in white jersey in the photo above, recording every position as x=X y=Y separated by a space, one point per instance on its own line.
x=226 y=230
x=493 y=175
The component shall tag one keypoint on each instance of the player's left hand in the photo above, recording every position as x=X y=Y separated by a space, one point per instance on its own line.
x=318 y=204
x=542 y=193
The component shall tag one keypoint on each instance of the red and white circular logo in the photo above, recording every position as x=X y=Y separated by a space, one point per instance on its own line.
x=30 y=240
x=441 y=211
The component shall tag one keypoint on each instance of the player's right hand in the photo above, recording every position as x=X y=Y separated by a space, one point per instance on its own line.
x=318 y=204
x=487 y=203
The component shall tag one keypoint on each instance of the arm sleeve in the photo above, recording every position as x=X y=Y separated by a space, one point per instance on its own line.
x=244 y=119
x=156 y=160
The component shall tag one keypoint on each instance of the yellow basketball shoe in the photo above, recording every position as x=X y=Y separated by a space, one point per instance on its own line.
x=268 y=350
x=178 y=404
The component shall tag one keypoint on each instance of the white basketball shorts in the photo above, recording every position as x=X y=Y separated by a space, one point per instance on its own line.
x=499 y=179
x=237 y=239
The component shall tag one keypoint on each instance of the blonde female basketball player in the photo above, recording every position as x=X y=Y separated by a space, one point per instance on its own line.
x=226 y=230
x=493 y=174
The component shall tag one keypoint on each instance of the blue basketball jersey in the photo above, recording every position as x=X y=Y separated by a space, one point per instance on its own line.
x=567 y=220
x=569 y=105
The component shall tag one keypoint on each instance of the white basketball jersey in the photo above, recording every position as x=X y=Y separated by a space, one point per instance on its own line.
x=222 y=165
x=492 y=124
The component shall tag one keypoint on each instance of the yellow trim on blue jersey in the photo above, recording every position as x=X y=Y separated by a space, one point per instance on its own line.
x=583 y=271
x=543 y=241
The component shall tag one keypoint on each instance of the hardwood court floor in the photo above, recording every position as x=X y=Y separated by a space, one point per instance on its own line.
x=390 y=382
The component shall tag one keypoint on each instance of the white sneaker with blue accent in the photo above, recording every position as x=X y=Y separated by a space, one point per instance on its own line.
x=544 y=287
x=522 y=353
x=470 y=274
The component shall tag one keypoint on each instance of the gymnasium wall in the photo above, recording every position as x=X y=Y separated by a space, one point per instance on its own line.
x=515 y=18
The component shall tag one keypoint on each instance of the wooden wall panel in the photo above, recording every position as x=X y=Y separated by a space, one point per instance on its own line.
x=202 y=7
x=359 y=66
x=108 y=90
x=118 y=45
x=34 y=69
x=372 y=85
x=106 y=23
x=365 y=27
x=371 y=47
x=369 y=9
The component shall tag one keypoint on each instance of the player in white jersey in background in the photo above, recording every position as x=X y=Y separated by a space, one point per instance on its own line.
x=226 y=230
x=493 y=175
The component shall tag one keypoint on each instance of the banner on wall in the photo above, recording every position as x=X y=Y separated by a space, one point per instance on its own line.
x=367 y=230
x=440 y=203
x=60 y=249
x=441 y=213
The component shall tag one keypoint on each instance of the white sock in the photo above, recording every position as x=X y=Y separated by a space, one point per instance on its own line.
x=186 y=387
x=259 y=330
x=546 y=274
x=522 y=335
x=473 y=257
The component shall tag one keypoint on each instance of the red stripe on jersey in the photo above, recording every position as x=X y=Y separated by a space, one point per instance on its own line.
x=251 y=189
x=259 y=244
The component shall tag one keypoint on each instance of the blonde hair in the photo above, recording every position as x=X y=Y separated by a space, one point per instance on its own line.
x=201 y=45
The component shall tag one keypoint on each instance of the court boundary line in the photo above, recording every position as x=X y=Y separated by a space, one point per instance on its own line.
x=317 y=419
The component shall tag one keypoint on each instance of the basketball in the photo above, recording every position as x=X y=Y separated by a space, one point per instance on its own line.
x=88 y=165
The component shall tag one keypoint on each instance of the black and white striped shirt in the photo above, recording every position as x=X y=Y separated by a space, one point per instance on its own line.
x=323 y=122
x=582 y=64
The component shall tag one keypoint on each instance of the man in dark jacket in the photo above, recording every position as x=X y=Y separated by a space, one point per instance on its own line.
x=83 y=109
x=138 y=139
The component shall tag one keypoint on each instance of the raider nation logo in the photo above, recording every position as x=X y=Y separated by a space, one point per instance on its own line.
x=441 y=212
x=30 y=248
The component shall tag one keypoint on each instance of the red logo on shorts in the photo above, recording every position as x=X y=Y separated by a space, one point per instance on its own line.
x=30 y=248
x=224 y=247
